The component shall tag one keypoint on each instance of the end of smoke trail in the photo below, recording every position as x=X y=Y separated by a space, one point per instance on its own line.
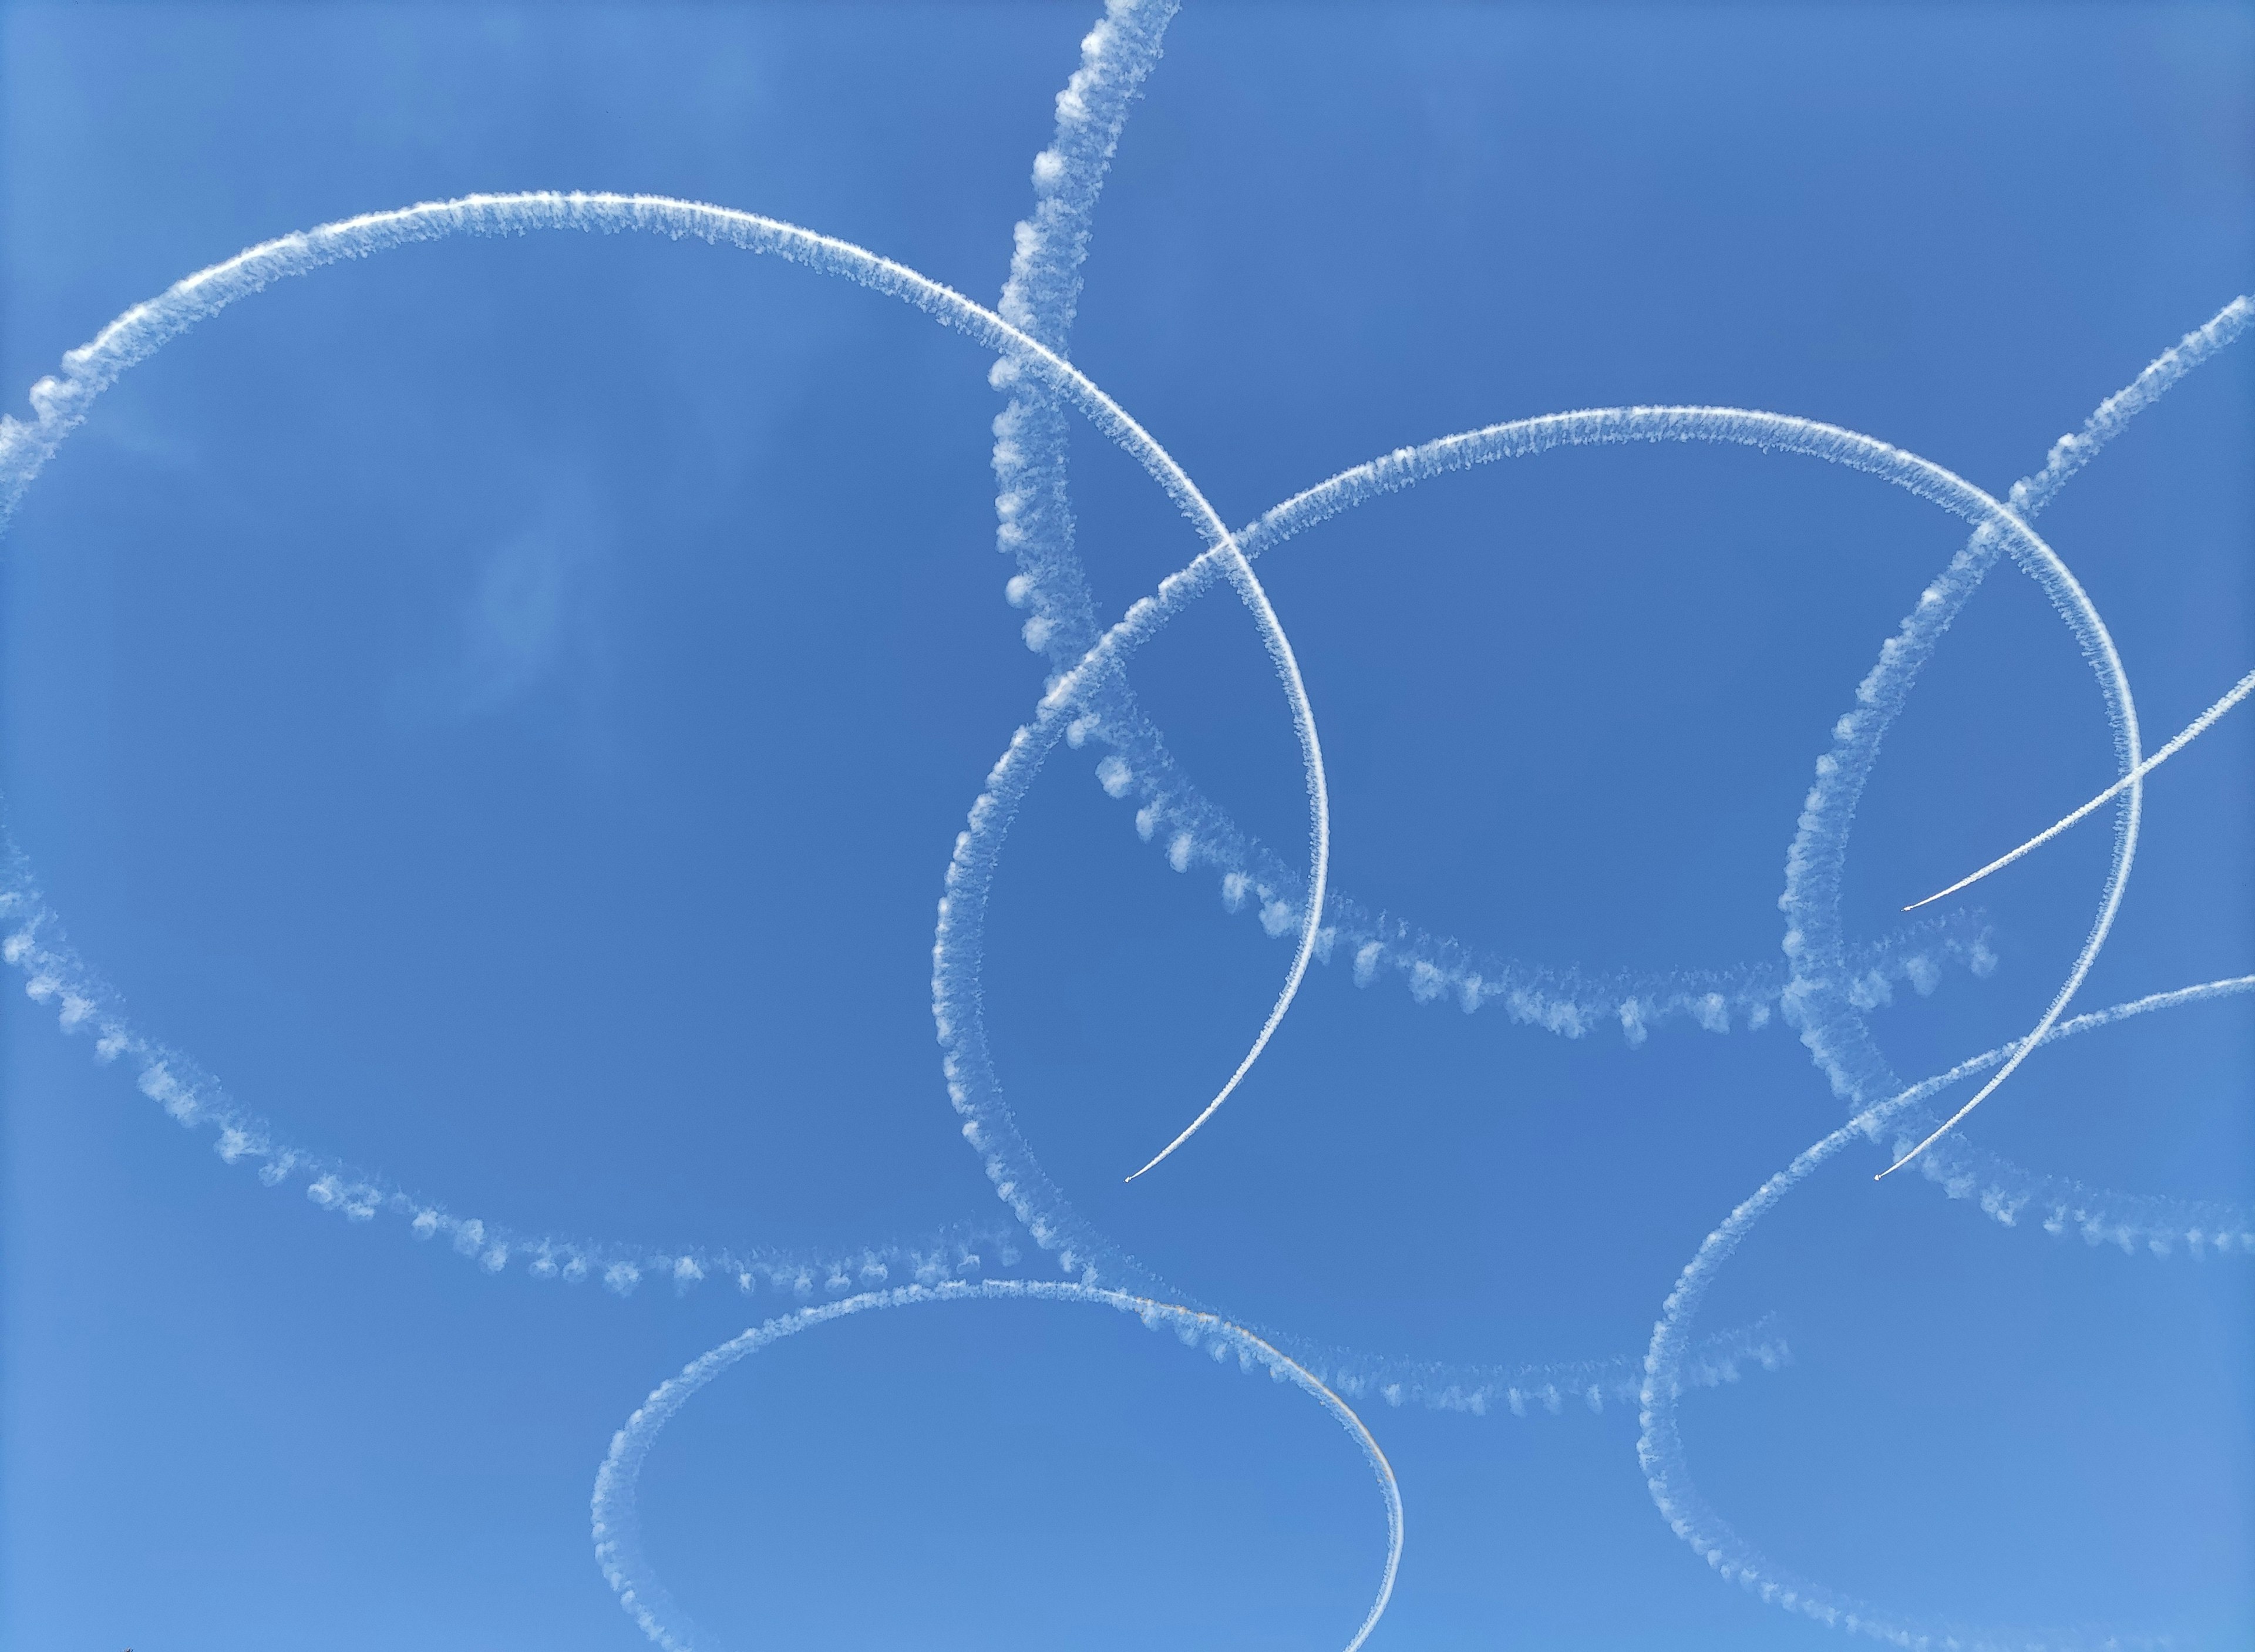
x=2192 y=731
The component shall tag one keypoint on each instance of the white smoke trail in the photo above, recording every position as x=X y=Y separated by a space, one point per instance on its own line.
x=61 y=403
x=1659 y=1447
x=2192 y=731
x=1035 y=528
x=617 y=1523
x=195 y=1098
x=971 y=871
x=1551 y=1388
x=2068 y=454
x=2005 y=529
x=1920 y=476
x=55 y=975
x=1829 y=1018
x=1033 y=503
x=1834 y=1030
x=2156 y=1224
x=1568 y=1002
x=1825 y=994
x=2112 y=417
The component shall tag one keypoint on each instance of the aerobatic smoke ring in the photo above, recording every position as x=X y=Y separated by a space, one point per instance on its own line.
x=618 y=1526
x=1826 y=991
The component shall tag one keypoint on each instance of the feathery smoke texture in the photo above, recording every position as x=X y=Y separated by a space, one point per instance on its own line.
x=1825 y=988
x=618 y=1531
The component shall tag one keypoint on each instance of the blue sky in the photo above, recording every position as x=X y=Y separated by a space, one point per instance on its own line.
x=504 y=707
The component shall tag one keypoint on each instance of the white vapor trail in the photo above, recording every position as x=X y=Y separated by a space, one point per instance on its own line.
x=2192 y=731
x=1825 y=987
x=1996 y=527
x=1659 y=1446
x=1036 y=529
x=1833 y=1026
x=618 y=1526
x=2068 y=455
x=60 y=404
x=1820 y=1001
x=1111 y=68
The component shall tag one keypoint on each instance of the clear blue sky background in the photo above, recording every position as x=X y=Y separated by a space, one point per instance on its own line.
x=506 y=707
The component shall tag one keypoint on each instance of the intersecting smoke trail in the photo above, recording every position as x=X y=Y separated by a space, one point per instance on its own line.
x=1835 y=1033
x=1996 y=525
x=2192 y=731
x=2069 y=455
x=1033 y=504
x=193 y=1097
x=1659 y=1446
x=1032 y=498
x=1033 y=501
x=1029 y=450
x=61 y=403
x=1826 y=988
x=1829 y=1017
x=958 y=950
x=617 y=1523
x=1812 y=865
x=2156 y=1224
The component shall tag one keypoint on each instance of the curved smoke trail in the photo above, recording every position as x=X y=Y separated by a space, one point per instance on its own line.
x=1826 y=989
x=1659 y=1446
x=2191 y=732
x=61 y=403
x=1824 y=999
x=618 y=1525
x=988 y=1123
x=1834 y=1031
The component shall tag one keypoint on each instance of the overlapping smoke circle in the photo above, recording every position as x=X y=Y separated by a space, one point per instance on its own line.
x=1826 y=990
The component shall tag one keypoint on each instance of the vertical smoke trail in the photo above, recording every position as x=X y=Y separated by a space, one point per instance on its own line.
x=1033 y=503
x=617 y=1524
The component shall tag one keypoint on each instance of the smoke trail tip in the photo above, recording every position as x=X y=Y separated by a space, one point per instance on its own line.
x=1914 y=1153
x=1162 y=1154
